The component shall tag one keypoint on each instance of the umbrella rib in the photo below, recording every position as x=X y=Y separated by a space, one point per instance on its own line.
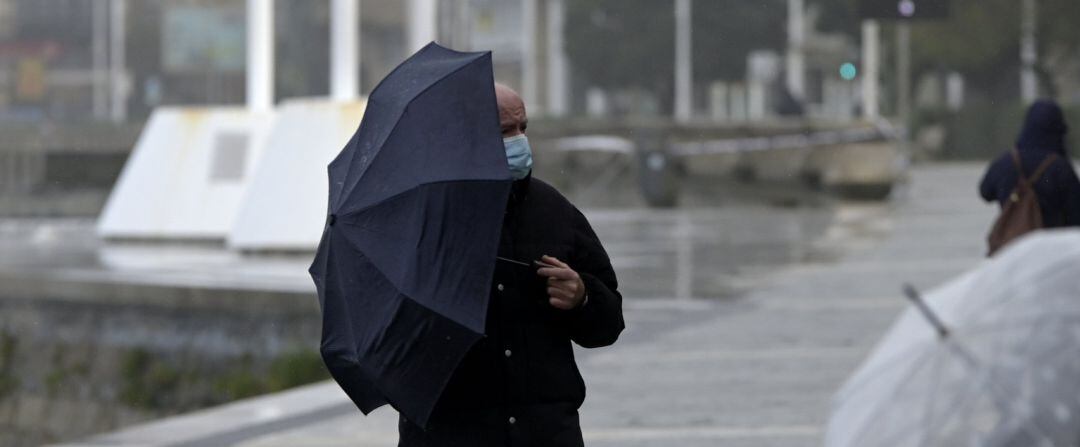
x=1044 y=274
x=903 y=356
x=394 y=283
x=953 y=412
x=980 y=321
x=402 y=193
x=897 y=434
x=986 y=328
x=892 y=396
x=1034 y=426
x=928 y=411
x=397 y=121
x=997 y=392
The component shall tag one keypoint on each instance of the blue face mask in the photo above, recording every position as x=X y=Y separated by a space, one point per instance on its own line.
x=518 y=156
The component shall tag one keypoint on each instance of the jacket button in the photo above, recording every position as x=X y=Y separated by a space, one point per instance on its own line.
x=500 y=287
x=512 y=420
x=507 y=353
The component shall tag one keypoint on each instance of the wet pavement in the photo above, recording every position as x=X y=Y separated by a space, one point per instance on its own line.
x=805 y=294
x=704 y=252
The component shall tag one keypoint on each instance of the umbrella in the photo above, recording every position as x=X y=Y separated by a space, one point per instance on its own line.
x=405 y=263
x=992 y=358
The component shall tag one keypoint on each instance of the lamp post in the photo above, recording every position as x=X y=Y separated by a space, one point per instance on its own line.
x=344 y=46
x=684 y=64
x=260 y=55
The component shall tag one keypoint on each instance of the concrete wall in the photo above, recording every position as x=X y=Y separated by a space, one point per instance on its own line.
x=79 y=357
x=60 y=171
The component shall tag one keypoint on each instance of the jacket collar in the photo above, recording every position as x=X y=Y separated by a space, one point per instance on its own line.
x=519 y=190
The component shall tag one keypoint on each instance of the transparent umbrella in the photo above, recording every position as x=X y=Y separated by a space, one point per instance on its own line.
x=990 y=359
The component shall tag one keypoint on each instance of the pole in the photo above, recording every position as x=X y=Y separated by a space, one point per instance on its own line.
x=529 y=63
x=903 y=79
x=423 y=25
x=557 y=74
x=462 y=25
x=100 y=57
x=260 y=55
x=1029 y=86
x=344 y=54
x=683 y=61
x=871 y=55
x=795 y=78
x=119 y=84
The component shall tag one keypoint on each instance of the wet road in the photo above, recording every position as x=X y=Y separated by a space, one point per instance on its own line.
x=804 y=293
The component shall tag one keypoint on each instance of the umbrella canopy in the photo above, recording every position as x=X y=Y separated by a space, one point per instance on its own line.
x=1004 y=370
x=405 y=263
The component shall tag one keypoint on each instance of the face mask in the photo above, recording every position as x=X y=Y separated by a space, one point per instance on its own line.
x=518 y=156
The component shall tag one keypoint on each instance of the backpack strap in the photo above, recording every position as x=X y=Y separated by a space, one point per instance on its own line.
x=1050 y=159
x=1028 y=181
x=1021 y=179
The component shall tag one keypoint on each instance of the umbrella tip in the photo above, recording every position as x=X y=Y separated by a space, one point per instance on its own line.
x=914 y=296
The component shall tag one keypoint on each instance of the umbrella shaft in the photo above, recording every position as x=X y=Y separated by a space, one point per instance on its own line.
x=913 y=295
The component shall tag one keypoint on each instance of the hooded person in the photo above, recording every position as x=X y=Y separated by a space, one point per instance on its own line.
x=553 y=286
x=1057 y=187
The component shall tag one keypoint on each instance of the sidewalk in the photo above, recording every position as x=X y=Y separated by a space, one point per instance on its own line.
x=756 y=371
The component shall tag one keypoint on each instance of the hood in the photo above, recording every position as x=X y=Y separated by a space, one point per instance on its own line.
x=1044 y=128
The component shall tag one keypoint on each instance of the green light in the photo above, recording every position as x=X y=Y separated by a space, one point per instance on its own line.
x=848 y=71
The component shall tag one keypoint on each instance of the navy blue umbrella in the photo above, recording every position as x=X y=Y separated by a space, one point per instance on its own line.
x=405 y=263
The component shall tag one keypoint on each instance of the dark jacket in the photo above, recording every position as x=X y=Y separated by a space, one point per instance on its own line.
x=520 y=386
x=1058 y=188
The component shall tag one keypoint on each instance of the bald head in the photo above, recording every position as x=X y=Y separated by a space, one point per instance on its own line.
x=512 y=118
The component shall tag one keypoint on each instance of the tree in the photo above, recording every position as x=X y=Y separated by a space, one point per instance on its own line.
x=621 y=43
x=981 y=40
x=626 y=44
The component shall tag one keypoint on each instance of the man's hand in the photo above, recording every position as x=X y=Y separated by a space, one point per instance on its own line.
x=565 y=288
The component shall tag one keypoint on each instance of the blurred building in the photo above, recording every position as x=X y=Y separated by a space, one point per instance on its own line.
x=99 y=60
x=80 y=60
x=76 y=60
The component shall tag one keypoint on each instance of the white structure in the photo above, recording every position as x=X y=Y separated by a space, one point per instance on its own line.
x=186 y=175
x=738 y=103
x=285 y=205
x=189 y=174
x=762 y=70
x=718 y=101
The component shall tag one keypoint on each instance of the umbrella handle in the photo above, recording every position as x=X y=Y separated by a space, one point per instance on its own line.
x=526 y=264
x=914 y=297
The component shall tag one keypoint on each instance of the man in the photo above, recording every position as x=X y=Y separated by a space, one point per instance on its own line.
x=520 y=386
